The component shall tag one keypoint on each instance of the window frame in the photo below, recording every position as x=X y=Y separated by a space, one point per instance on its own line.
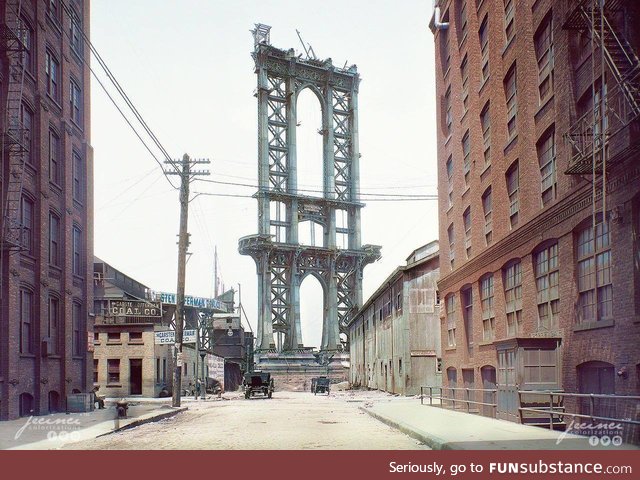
x=512 y=177
x=55 y=158
x=487 y=294
x=546 y=152
x=450 y=310
x=27 y=321
x=52 y=75
x=487 y=208
x=54 y=239
x=511 y=98
x=547 y=279
x=512 y=281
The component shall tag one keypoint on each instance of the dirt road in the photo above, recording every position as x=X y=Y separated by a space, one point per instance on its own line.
x=291 y=420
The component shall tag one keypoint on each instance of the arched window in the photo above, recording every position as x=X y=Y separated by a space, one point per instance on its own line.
x=547 y=273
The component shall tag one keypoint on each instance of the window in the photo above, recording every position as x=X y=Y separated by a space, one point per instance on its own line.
x=53 y=9
x=26 y=321
x=513 y=297
x=451 y=319
x=26 y=34
x=509 y=22
x=113 y=337
x=26 y=224
x=26 y=118
x=513 y=186
x=399 y=365
x=54 y=158
x=595 y=291
x=398 y=301
x=547 y=159
x=158 y=371
x=545 y=266
x=164 y=370
x=466 y=218
x=543 y=40
x=450 y=180
x=485 y=122
x=488 y=315
x=445 y=55
x=466 y=296
x=53 y=327
x=466 y=153
x=52 y=74
x=511 y=95
x=75 y=32
x=135 y=337
x=54 y=240
x=487 y=209
x=483 y=34
x=464 y=74
x=77 y=251
x=461 y=7
x=96 y=337
x=75 y=102
x=96 y=364
x=77 y=343
x=78 y=172
x=450 y=235
x=113 y=371
x=447 y=106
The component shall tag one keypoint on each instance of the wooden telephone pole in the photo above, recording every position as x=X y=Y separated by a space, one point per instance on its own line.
x=186 y=175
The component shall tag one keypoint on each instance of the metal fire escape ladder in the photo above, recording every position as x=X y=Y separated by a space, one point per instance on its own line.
x=622 y=102
x=14 y=135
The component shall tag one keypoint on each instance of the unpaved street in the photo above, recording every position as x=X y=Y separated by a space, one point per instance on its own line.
x=291 y=420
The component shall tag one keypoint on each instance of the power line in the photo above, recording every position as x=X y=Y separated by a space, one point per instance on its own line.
x=394 y=195
x=123 y=94
x=402 y=199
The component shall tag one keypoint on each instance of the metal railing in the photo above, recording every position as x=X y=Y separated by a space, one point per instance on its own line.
x=464 y=400
x=558 y=408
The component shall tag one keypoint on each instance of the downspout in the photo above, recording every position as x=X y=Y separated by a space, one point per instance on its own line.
x=436 y=18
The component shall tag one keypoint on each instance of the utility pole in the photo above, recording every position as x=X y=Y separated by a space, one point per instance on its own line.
x=186 y=175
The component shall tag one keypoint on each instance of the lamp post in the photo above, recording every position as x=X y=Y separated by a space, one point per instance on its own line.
x=203 y=382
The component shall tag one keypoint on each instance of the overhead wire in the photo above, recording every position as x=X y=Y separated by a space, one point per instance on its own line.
x=127 y=100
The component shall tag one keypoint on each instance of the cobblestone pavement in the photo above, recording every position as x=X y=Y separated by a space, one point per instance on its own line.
x=290 y=420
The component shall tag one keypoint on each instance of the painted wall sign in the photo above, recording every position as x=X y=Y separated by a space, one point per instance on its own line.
x=169 y=337
x=134 y=308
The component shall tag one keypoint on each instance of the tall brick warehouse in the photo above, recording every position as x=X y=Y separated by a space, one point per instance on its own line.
x=531 y=300
x=47 y=199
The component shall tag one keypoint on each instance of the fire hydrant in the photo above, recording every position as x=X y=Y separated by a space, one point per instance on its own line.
x=121 y=407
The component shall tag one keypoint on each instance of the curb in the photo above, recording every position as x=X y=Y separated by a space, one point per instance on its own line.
x=142 y=421
x=432 y=441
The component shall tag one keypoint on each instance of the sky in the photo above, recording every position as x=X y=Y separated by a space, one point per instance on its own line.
x=187 y=67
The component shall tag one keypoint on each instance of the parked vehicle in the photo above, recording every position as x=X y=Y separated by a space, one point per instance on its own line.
x=320 y=385
x=258 y=383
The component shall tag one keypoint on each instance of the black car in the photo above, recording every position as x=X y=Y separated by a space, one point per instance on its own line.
x=257 y=383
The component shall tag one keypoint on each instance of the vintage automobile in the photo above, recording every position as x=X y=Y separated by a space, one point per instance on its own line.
x=320 y=385
x=257 y=383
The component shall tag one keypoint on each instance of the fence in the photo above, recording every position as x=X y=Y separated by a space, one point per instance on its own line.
x=577 y=412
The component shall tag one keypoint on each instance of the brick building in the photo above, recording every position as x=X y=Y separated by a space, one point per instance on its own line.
x=531 y=301
x=47 y=201
x=129 y=356
x=394 y=339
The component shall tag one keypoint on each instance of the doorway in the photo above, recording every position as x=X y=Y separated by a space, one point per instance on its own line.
x=135 y=376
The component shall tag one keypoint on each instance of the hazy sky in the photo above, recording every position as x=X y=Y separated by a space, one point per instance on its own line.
x=187 y=67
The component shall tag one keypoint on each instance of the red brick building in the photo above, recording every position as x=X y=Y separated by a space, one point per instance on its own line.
x=531 y=300
x=47 y=199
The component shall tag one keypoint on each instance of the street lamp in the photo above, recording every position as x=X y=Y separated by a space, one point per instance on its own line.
x=203 y=382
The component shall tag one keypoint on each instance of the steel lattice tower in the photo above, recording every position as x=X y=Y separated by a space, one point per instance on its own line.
x=282 y=262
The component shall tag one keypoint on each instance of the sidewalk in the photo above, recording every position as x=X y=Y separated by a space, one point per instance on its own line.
x=54 y=431
x=443 y=429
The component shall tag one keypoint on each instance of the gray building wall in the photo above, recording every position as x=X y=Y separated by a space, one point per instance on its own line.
x=395 y=338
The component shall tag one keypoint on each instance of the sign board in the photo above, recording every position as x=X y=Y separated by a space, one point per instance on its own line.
x=216 y=368
x=423 y=353
x=198 y=302
x=169 y=337
x=179 y=359
x=134 y=308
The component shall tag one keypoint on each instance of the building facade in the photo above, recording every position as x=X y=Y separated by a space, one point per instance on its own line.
x=394 y=339
x=133 y=337
x=47 y=200
x=540 y=266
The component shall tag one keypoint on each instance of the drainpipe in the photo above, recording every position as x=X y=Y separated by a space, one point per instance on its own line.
x=436 y=19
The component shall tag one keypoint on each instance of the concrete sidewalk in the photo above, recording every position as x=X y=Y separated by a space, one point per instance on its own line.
x=56 y=430
x=443 y=429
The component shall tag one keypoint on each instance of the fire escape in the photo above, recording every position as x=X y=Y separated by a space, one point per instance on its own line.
x=600 y=139
x=15 y=139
